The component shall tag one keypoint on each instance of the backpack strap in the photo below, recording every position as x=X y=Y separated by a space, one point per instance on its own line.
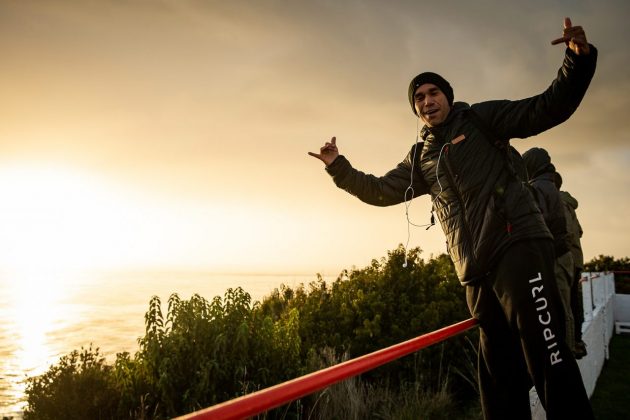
x=510 y=157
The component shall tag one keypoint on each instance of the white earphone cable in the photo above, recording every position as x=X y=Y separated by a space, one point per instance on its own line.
x=411 y=190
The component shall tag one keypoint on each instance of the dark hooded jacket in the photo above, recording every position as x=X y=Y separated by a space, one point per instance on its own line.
x=541 y=174
x=574 y=228
x=481 y=203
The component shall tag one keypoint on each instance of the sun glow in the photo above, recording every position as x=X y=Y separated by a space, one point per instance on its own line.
x=59 y=219
x=52 y=218
x=54 y=224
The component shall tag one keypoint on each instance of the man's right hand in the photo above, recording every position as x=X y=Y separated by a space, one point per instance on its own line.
x=328 y=152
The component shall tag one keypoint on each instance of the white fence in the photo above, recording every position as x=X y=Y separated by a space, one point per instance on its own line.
x=602 y=309
x=622 y=313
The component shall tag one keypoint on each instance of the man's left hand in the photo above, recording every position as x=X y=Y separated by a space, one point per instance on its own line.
x=574 y=37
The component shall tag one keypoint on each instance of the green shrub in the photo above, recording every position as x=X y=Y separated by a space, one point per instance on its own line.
x=79 y=387
x=200 y=353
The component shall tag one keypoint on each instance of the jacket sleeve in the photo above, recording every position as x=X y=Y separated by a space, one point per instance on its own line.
x=544 y=198
x=386 y=190
x=528 y=117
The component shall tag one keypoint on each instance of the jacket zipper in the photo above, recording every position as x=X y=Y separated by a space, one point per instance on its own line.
x=449 y=176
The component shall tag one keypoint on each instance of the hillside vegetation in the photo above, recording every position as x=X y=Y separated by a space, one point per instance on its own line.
x=200 y=352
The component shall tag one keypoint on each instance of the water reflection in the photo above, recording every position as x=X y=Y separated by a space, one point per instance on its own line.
x=32 y=310
x=44 y=315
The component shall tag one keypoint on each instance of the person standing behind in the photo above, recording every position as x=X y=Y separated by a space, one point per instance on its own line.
x=575 y=234
x=541 y=174
x=497 y=238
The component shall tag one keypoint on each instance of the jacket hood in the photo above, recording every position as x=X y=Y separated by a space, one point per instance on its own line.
x=569 y=199
x=537 y=162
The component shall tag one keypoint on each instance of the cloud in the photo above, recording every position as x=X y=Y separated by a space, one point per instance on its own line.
x=211 y=98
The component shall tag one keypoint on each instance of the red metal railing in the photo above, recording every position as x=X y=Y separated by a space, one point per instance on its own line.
x=275 y=396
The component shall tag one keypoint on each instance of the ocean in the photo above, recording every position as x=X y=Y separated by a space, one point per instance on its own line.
x=45 y=316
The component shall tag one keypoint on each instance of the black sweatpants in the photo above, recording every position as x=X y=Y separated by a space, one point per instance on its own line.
x=521 y=338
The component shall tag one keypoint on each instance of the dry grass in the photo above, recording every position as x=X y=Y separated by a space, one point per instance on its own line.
x=354 y=399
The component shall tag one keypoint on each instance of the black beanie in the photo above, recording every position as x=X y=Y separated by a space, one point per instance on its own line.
x=433 y=78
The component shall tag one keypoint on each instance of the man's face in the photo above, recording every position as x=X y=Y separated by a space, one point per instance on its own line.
x=431 y=104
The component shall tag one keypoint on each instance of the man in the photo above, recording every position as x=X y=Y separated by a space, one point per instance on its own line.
x=496 y=236
x=541 y=176
x=575 y=234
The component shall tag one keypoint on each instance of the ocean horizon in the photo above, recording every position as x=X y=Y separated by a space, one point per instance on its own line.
x=44 y=320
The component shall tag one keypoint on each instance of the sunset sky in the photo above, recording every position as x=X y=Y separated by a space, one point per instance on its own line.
x=174 y=134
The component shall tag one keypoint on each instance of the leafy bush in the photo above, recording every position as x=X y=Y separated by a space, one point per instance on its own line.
x=381 y=305
x=608 y=263
x=79 y=387
x=204 y=352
